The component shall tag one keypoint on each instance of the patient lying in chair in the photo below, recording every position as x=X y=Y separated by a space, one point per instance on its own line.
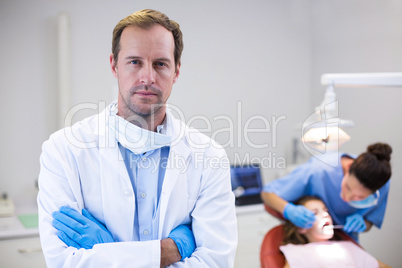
x=318 y=247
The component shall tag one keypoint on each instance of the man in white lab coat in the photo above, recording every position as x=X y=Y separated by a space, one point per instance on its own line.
x=133 y=186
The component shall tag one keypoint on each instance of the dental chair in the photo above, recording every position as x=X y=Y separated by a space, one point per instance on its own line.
x=270 y=254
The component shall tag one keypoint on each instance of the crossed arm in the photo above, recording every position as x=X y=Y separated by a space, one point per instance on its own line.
x=84 y=231
x=212 y=215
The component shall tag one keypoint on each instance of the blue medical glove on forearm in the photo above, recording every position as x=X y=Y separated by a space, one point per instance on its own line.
x=355 y=224
x=184 y=239
x=80 y=231
x=299 y=215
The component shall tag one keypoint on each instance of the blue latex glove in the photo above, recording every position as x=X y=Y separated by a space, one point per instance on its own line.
x=80 y=231
x=355 y=224
x=184 y=239
x=299 y=215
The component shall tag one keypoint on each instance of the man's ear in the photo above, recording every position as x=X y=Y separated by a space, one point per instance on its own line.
x=177 y=73
x=113 y=65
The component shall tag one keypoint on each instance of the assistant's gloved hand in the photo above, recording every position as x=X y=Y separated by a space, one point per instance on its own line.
x=80 y=231
x=184 y=239
x=299 y=215
x=355 y=224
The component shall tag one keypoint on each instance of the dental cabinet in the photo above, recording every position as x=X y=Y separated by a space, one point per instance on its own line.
x=21 y=253
x=253 y=222
x=19 y=242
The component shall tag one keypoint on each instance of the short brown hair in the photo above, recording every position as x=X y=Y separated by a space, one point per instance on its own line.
x=145 y=19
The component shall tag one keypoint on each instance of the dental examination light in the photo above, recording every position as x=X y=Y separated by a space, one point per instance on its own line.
x=323 y=130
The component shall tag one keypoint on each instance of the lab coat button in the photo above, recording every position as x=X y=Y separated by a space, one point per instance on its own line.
x=144 y=159
x=143 y=195
x=146 y=232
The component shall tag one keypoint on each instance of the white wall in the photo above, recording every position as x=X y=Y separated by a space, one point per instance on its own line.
x=268 y=55
x=365 y=36
x=233 y=52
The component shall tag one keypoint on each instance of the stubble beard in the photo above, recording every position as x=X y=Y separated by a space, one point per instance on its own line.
x=141 y=113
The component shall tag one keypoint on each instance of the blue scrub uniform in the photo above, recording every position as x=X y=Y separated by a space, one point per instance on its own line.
x=318 y=178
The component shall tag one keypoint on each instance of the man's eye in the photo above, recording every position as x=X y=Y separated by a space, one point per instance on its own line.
x=134 y=62
x=160 y=64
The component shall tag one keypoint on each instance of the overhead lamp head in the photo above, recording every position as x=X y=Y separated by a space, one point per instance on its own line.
x=324 y=139
x=322 y=129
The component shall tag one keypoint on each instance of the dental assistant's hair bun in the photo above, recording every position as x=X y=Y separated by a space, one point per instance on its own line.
x=381 y=150
x=373 y=168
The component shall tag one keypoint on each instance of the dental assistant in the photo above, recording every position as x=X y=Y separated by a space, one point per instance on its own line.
x=133 y=186
x=355 y=190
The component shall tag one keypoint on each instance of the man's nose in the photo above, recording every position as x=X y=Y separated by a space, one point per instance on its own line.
x=147 y=75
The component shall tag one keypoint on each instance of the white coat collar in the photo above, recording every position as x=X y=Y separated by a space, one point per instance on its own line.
x=114 y=175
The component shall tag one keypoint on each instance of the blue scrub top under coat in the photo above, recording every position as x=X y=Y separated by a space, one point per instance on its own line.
x=146 y=172
x=317 y=178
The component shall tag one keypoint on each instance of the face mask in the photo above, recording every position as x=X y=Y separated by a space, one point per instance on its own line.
x=370 y=201
x=136 y=139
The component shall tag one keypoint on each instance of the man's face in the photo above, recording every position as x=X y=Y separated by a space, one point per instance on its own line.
x=145 y=71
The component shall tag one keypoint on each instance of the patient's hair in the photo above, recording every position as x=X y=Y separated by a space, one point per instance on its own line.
x=373 y=168
x=145 y=19
x=291 y=231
